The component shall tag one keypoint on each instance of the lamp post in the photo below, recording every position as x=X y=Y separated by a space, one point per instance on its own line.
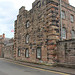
x=61 y=19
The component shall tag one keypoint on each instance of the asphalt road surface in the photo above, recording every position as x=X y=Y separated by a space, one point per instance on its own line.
x=9 y=68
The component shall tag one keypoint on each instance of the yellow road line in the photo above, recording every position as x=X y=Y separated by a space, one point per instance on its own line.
x=39 y=68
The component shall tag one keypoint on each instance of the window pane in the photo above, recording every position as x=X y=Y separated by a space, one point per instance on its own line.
x=64 y=33
x=38 y=52
x=63 y=14
x=19 y=53
x=72 y=18
x=73 y=33
x=27 y=38
x=27 y=24
x=27 y=53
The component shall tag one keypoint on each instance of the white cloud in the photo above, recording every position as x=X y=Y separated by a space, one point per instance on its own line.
x=72 y=2
x=19 y=3
x=8 y=13
x=7 y=16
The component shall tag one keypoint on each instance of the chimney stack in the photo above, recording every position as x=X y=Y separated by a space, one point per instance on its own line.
x=3 y=35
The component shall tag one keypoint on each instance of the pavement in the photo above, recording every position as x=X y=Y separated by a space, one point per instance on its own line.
x=10 y=67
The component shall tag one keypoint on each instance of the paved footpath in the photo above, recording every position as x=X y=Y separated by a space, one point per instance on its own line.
x=9 y=67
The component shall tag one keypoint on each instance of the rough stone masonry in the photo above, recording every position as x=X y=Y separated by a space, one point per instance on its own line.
x=38 y=30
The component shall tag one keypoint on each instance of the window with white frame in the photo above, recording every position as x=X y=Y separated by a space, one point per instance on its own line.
x=19 y=52
x=27 y=53
x=27 y=38
x=72 y=18
x=64 y=33
x=73 y=34
x=27 y=24
x=38 y=53
x=63 y=14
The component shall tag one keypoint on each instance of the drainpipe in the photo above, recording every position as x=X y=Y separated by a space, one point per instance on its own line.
x=61 y=19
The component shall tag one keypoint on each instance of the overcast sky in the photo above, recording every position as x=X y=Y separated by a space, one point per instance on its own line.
x=8 y=12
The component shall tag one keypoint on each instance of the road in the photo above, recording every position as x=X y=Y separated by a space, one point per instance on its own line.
x=9 y=68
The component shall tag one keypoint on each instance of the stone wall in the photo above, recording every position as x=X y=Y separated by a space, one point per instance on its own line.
x=2 y=37
x=66 y=51
x=8 y=51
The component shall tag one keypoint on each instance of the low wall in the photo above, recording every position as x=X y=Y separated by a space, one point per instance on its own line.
x=8 y=51
x=66 y=51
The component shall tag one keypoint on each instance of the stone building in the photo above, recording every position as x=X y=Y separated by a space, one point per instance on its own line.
x=38 y=30
x=2 y=37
